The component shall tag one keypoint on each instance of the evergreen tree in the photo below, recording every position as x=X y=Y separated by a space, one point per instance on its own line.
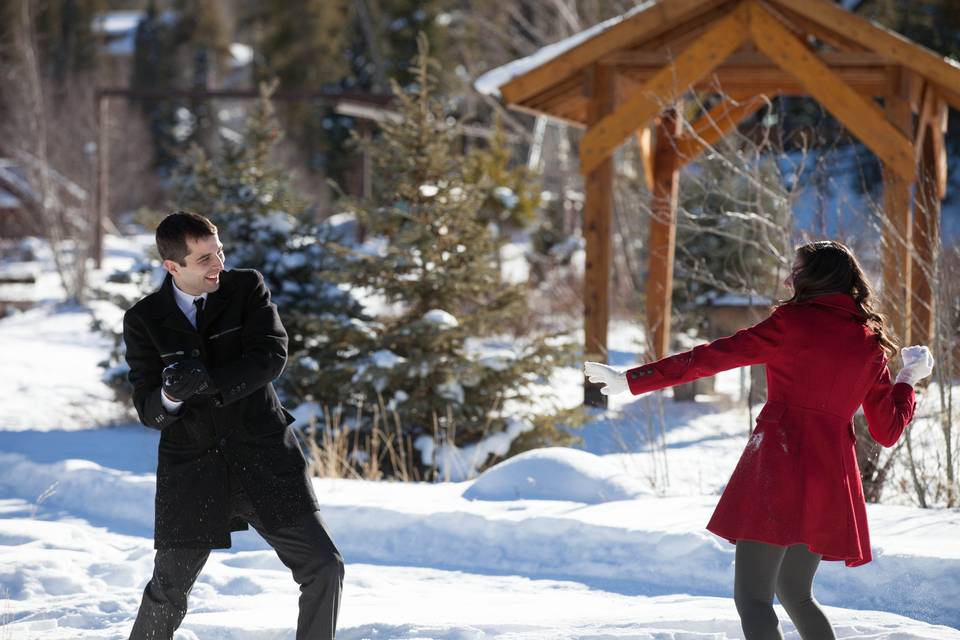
x=510 y=195
x=266 y=226
x=434 y=260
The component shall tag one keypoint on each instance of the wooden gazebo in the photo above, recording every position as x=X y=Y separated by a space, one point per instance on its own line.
x=625 y=77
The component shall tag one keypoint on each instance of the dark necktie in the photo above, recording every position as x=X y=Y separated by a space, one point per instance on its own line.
x=198 y=303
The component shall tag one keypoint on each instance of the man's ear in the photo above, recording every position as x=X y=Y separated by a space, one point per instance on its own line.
x=171 y=266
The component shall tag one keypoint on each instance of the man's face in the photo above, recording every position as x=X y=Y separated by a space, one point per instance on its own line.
x=204 y=262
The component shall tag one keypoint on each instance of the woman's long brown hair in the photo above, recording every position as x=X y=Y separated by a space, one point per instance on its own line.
x=830 y=267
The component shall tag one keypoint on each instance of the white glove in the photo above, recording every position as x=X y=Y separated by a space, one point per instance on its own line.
x=614 y=381
x=917 y=364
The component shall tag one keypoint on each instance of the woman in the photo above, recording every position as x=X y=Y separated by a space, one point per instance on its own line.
x=795 y=496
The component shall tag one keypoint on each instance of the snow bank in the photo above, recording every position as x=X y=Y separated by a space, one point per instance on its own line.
x=555 y=473
x=647 y=545
x=68 y=580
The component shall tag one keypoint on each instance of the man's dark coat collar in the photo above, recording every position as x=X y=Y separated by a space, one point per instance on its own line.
x=164 y=305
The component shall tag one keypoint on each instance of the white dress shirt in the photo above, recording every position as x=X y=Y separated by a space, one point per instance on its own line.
x=189 y=309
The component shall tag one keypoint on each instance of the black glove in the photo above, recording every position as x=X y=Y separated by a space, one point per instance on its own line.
x=183 y=379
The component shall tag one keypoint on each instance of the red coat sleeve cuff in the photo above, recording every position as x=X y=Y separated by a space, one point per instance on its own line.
x=903 y=393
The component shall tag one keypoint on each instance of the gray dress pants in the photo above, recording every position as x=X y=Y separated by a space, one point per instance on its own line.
x=305 y=548
x=764 y=569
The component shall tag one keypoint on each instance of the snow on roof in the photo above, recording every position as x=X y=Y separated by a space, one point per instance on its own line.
x=490 y=82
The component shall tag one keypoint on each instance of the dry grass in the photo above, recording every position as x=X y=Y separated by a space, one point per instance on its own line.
x=372 y=453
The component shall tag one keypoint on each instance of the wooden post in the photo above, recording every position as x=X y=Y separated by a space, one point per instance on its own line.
x=663 y=233
x=926 y=243
x=101 y=206
x=896 y=296
x=645 y=150
x=598 y=211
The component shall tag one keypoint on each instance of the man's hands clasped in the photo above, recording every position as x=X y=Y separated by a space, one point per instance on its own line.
x=182 y=380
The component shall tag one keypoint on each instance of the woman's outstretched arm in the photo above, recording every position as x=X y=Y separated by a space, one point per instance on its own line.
x=752 y=345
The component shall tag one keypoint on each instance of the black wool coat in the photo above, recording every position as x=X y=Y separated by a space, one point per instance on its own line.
x=240 y=435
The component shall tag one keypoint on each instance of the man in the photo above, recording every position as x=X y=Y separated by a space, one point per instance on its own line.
x=203 y=351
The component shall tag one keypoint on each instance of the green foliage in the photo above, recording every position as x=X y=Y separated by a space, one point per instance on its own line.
x=511 y=195
x=439 y=358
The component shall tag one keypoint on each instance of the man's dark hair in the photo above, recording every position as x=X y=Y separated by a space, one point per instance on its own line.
x=173 y=231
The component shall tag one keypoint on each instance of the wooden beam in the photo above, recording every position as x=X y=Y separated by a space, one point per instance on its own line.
x=658 y=59
x=646 y=23
x=860 y=115
x=645 y=147
x=915 y=83
x=573 y=118
x=723 y=38
x=597 y=216
x=663 y=234
x=714 y=125
x=938 y=128
x=897 y=230
x=827 y=36
x=924 y=118
x=867 y=81
x=569 y=88
x=678 y=37
x=932 y=125
x=926 y=248
x=878 y=39
x=952 y=96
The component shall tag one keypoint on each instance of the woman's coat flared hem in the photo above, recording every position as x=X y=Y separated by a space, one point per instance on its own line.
x=849 y=560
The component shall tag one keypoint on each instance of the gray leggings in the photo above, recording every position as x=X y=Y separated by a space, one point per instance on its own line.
x=762 y=569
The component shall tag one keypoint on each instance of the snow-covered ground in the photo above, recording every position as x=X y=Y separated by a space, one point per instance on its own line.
x=605 y=542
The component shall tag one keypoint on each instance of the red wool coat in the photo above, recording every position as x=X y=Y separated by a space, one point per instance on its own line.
x=797 y=480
